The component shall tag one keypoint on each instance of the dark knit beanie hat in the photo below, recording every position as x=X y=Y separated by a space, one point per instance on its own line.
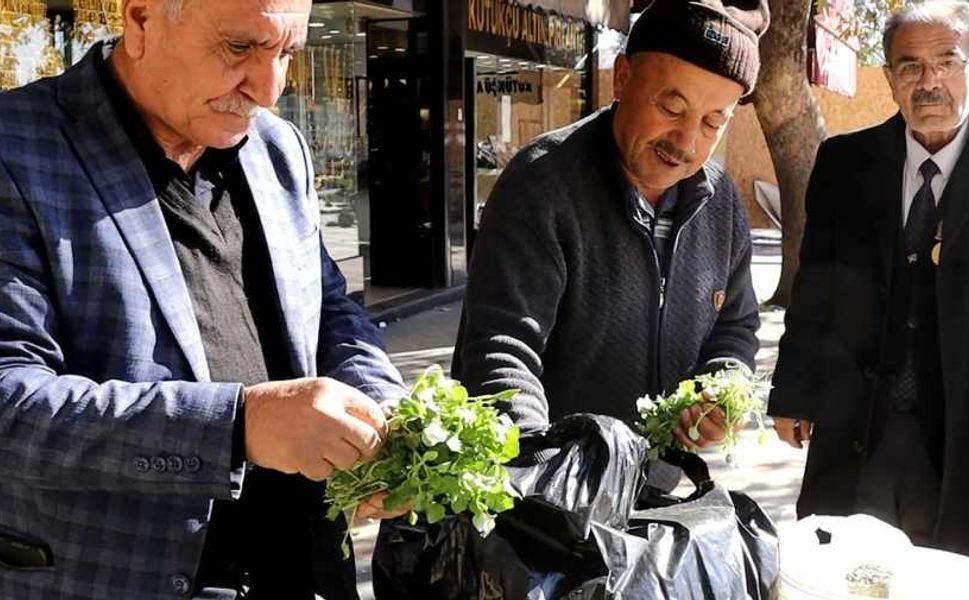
x=717 y=35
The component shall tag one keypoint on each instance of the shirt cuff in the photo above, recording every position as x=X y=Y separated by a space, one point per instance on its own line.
x=239 y=432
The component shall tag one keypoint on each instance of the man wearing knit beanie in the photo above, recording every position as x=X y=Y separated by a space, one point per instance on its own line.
x=613 y=259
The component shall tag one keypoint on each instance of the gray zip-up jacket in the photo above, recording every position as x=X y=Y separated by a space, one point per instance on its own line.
x=565 y=299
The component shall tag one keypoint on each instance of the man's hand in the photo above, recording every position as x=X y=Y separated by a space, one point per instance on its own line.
x=793 y=431
x=712 y=428
x=373 y=508
x=311 y=426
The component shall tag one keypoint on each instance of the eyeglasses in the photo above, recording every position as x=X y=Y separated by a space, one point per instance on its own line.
x=910 y=71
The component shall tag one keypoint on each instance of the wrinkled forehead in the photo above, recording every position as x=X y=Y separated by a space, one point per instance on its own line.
x=661 y=73
x=915 y=41
x=260 y=22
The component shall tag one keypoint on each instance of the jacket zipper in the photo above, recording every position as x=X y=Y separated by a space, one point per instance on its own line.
x=654 y=338
x=663 y=285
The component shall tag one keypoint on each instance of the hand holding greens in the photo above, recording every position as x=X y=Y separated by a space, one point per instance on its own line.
x=737 y=394
x=444 y=450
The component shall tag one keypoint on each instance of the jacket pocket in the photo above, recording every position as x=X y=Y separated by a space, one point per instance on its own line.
x=24 y=552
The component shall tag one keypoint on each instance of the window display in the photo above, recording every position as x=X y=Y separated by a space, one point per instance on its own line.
x=27 y=49
x=93 y=20
x=326 y=98
x=516 y=101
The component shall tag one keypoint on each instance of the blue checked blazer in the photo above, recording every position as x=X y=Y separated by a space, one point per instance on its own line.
x=113 y=441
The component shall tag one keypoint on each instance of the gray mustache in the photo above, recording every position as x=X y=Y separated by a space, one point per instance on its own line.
x=920 y=97
x=236 y=106
x=669 y=149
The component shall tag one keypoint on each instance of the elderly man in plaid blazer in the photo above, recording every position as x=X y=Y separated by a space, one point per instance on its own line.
x=169 y=318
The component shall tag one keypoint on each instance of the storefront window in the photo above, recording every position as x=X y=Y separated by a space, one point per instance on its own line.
x=326 y=97
x=516 y=101
x=38 y=39
x=28 y=48
x=93 y=20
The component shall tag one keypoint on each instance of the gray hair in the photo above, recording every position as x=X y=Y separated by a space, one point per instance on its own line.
x=952 y=14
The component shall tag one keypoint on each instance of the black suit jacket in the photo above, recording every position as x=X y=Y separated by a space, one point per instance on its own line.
x=834 y=348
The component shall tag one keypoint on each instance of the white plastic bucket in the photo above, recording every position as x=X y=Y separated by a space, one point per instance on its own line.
x=813 y=570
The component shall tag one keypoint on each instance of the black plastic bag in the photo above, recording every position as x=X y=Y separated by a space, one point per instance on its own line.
x=575 y=534
x=450 y=561
x=588 y=467
x=712 y=545
x=583 y=469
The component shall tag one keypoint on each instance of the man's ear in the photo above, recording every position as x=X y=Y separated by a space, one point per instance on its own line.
x=621 y=72
x=134 y=14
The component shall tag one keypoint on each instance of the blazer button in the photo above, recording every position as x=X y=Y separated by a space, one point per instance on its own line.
x=158 y=464
x=181 y=585
x=870 y=373
x=193 y=464
x=912 y=323
x=857 y=446
x=141 y=464
x=175 y=464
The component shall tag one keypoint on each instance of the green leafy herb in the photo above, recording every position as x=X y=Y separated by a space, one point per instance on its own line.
x=737 y=394
x=444 y=450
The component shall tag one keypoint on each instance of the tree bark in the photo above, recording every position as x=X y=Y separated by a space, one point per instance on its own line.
x=792 y=124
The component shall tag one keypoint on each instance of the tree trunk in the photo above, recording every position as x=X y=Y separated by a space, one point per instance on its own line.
x=792 y=124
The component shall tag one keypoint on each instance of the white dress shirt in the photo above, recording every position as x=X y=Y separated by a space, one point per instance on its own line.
x=915 y=155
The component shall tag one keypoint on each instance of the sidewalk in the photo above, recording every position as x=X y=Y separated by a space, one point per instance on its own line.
x=769 y=473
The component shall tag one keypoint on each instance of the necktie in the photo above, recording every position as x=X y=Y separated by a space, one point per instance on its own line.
x=919 y=231
x=920 y=227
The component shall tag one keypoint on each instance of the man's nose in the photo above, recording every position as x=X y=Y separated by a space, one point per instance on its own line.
x=930 y=79
x=265 y=79
x=685 y=138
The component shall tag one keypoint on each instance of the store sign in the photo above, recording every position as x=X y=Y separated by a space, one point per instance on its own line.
x=521 y=87
x=834 y=64
x=513 y=22
x=611 y=13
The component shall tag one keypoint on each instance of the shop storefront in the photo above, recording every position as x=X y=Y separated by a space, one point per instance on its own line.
x=439 y=95
x=326 y=97
x=528 y=73
x=411 y=109
x=491 y=75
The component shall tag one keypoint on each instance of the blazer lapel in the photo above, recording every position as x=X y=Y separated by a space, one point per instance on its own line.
x=120 y=180
x=955 y=201
x=881 y=184
x=293 y=239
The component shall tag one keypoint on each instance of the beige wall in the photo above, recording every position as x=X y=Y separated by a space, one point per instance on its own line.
x=604 y=88
x=746 y=150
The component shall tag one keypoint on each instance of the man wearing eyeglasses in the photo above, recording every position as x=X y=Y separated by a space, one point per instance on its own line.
x=874 y=364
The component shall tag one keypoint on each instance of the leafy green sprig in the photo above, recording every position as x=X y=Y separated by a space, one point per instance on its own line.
x=444 y=451
x=739 y=395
